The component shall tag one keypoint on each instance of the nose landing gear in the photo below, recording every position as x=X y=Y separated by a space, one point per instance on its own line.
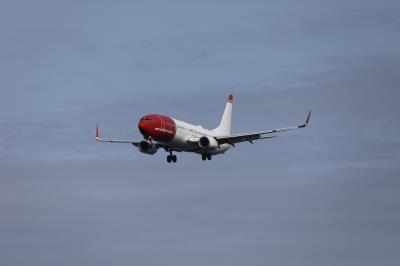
x=171 y=157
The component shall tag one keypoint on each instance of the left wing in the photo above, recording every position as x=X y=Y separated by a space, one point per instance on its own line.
x=134 y=143
x=236 y=138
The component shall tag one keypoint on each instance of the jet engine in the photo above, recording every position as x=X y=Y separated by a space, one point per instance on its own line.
x=147 y=147
x=208 y=143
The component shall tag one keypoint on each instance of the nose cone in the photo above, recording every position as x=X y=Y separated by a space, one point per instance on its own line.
x=144 y=128
x=158 y=127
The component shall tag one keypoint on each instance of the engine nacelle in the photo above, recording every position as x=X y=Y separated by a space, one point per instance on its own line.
x=147 y=147
x=208 y=143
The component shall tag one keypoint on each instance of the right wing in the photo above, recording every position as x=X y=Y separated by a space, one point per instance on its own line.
x=134 y=143
x=236 y=138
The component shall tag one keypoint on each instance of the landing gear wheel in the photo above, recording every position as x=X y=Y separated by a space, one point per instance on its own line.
x=209 y=157
x=171 y=157
x=204 y=157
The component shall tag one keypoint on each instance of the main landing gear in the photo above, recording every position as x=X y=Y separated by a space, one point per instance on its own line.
x=171 y=157
x=206 y=157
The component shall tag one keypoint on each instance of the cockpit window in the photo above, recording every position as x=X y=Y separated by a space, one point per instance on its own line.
x=148 y=118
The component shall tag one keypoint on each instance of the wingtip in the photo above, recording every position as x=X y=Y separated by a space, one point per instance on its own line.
x=307 y=120
x=308 y=117
x=230 y=98
x=97 y=131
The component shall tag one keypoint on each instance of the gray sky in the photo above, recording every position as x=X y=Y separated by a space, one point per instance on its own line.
x=326 y=195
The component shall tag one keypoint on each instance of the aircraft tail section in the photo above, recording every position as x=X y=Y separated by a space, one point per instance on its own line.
x=224 y=127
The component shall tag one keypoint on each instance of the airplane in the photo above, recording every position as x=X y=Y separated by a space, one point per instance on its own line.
x=173 y=135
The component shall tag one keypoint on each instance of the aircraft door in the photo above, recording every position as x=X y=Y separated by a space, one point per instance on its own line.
x=162 y=122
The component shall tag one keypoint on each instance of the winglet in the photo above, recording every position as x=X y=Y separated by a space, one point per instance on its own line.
x=308 y=117
x=97 y=131
x=307 y=120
